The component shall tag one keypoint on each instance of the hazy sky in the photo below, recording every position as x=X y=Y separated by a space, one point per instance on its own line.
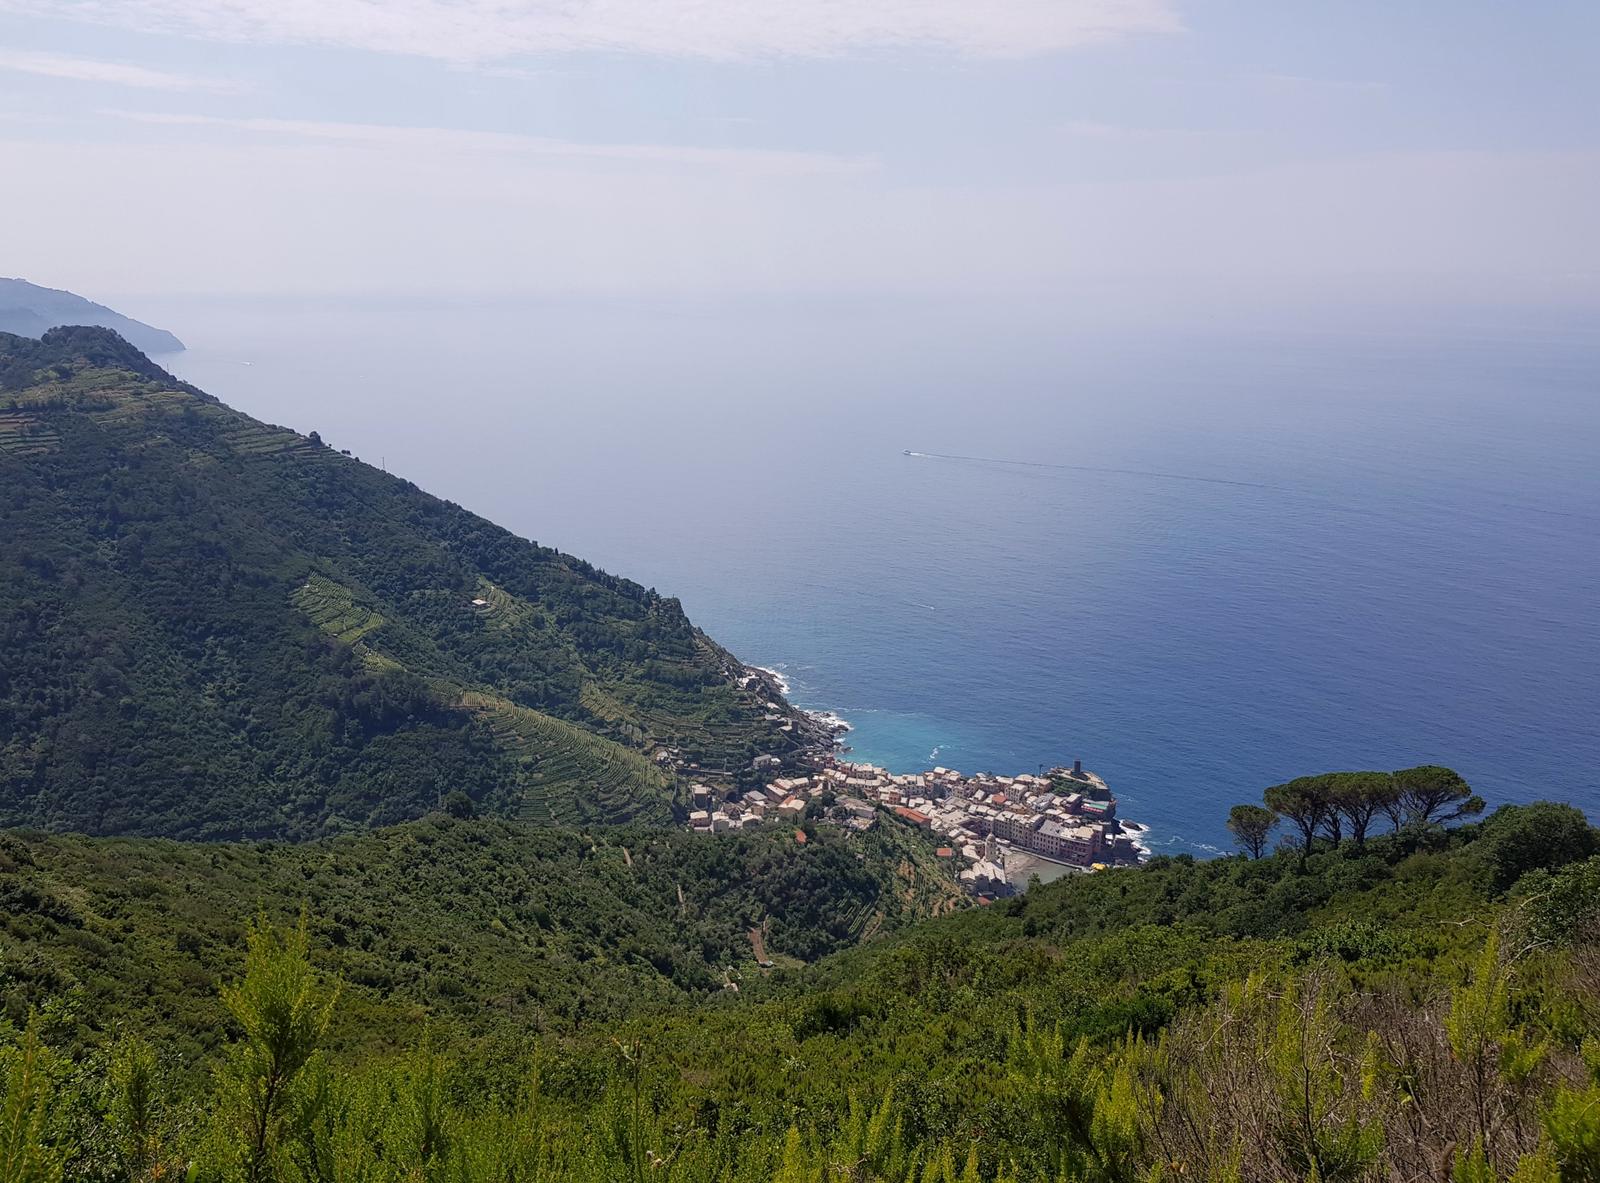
x=1441 y=147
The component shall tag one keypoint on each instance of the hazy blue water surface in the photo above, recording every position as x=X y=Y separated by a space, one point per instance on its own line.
x=1264 y=552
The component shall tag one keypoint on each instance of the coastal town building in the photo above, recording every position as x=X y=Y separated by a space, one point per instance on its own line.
x=1065 y=815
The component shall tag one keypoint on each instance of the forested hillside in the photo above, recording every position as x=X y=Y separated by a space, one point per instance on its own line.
x=217 y=628
x=491 y=926
x=1421 y=1005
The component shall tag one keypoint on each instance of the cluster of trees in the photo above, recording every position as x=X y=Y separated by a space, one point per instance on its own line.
x=1340 y=805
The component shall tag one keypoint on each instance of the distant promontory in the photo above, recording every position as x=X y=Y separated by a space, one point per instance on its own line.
x=27 y=310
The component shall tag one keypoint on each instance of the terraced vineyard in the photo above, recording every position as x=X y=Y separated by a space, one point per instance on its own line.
x=568 y=776
x=622 y=717
x=503 y=611
x=571 y=776
x=23 y=435
x=909 y=891
x=861 y=920
x=333 y=609
x=250 y=438
x=115 y=397
x=602 y=706
x=133 y=399
x=723 y=747
x=109 y=398
x=94 y=390
x=376 y=663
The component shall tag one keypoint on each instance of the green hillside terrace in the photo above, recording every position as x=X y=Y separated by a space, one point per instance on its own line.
x=219 y=628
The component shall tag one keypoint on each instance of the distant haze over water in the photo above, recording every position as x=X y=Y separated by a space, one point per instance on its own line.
x=1203 y=560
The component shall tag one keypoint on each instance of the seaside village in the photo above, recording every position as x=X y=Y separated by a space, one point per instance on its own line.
x=1065 y=816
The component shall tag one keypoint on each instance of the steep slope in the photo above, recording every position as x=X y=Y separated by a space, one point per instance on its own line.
x=29 y=310
x=482 y=923
x=216 y=627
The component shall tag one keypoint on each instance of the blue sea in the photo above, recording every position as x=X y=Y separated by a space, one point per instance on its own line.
x=1203 y=555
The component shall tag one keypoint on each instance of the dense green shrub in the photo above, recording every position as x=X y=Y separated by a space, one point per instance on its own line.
x=1521 y=838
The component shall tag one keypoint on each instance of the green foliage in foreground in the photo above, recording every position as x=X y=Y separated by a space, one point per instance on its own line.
x=484 y=925
x=1376 y=1015
x=216 y=628
x=1280 y=1076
